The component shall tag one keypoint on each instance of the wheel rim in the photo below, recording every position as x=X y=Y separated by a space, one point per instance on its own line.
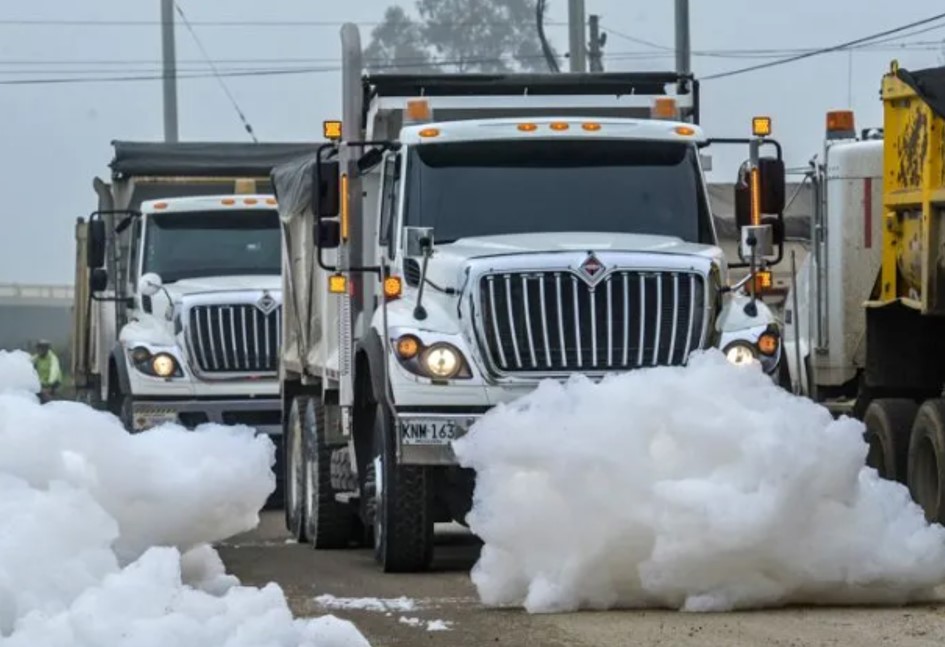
x=292 y=489
x=926 y=479
x=377 y=467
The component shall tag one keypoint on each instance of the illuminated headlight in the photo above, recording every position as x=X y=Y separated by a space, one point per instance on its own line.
x=163 y=365
x=741 y=354
x=439 y=361
x=442 y=361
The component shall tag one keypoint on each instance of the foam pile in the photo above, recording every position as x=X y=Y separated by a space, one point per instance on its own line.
x=705 y=488
x=105 y=534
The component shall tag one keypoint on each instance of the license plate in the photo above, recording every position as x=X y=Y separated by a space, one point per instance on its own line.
x=420 y=431
x=144 y=420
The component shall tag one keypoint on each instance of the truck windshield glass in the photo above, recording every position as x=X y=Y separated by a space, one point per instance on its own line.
x=514 y=187
x=198 y=244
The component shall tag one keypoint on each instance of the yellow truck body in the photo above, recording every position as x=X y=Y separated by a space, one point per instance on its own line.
x=913 y=264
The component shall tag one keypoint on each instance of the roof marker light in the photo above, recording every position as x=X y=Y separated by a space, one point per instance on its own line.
x=591 y=126
x=559 y=125
x=527 y=127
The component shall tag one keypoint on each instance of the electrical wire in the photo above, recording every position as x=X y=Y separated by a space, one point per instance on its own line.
x=28 y=22
x=545 y=47
x=825 y=50
x=216 y=73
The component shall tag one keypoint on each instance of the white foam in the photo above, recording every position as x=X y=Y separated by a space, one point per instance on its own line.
x=401 y=604
x=700 y=488
x=95 y=521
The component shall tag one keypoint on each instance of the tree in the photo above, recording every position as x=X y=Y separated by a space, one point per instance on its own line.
x=397 y=43
x=462 y=35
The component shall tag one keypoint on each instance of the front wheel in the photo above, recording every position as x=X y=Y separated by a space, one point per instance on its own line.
x=401 y=505
x=293 y=458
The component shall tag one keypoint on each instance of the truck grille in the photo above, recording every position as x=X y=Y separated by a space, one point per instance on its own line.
x=235 y=338
x=550 y=322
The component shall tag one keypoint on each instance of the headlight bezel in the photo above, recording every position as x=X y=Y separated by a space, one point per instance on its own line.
x=750 y=339
x=143 y=359
x=417 y=363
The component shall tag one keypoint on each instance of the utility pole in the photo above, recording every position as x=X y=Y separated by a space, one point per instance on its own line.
x=595 y=56
x=170 y=71
x=578 y=53
x=683 y=47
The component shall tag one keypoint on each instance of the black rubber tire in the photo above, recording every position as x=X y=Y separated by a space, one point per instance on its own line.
x=402 y=514
x=329 y=524
x=294 y=466
x=126 y=412
x=888 y=427
x=927 y=460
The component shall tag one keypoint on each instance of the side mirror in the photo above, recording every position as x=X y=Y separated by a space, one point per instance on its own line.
x=742 y=205
x=777 y=228
x=418 y=241
x=772 y=185
x=95 y=244
x=326 y=194
x=98 y=280
x=150 y=284
x=328 y=234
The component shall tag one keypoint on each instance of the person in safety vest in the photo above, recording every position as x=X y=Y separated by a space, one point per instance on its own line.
x=47 y=367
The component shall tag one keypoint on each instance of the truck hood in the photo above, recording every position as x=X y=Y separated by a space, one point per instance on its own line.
x=185 y=287
x=449 y=258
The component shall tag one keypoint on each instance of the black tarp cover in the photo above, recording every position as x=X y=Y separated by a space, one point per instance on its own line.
x=200 y=159
x=928 y=84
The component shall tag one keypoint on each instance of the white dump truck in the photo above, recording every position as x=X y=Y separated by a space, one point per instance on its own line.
x=464 y=237
x=178 y=295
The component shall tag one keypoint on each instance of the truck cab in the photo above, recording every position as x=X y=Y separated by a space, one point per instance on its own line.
x=464 y=237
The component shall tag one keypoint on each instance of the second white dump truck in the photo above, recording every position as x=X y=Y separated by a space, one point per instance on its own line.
x=466 y=236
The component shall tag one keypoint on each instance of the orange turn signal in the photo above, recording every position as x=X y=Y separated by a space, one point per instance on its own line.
x=393 y=287
x=764 y=280
x=408 y=347
x=768 y=344
x=337 y=284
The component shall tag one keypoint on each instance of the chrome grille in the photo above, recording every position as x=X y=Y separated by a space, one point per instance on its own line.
x=552 y=322
x=235 y=338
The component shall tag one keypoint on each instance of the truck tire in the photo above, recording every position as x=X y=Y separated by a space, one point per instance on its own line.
x=126 y=412
x=329 y=524
x=927 y=460
x=888 y=426
x=294 y=465
x=400 y=504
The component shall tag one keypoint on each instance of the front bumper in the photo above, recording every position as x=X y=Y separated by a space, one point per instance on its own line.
x=424 y=437
x=264 y=415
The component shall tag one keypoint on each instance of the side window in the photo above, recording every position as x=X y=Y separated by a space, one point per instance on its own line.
x=391 y=188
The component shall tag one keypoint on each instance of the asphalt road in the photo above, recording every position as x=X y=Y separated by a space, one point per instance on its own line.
x=447 y=594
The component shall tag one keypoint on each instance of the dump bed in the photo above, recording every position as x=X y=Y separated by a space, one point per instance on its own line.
x=913 y=269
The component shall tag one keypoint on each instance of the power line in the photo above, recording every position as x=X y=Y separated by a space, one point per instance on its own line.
x=825 y=50
x=27 y=22
x=216 y=72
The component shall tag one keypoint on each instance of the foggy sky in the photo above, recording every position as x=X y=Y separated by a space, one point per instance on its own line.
x=55 y=138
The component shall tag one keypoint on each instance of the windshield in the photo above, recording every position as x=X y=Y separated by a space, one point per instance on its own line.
x=515 y=187
x=195 y=244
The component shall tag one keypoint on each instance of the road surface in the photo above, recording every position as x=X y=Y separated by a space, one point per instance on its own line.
x=447 y=594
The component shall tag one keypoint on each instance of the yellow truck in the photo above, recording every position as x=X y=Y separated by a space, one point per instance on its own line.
x=901 y=390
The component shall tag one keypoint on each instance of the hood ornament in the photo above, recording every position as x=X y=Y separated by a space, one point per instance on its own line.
x=267 y=304
x=592 y=269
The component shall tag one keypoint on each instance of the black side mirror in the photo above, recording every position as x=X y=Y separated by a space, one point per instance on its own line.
x=95 y=244
x=326 y=198
x=98 y=280
x=328 y=234
x=772 y=174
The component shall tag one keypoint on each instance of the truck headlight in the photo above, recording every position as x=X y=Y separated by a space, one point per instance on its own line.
x=741 y=354
x=439 y=361
x=163 y=365
x=442 y=361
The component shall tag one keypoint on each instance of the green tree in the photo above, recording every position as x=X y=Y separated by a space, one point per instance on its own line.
x=397 y=43
x=462 y=35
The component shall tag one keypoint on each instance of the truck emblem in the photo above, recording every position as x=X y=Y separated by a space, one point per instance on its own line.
x=592 y=268
x=266 y=304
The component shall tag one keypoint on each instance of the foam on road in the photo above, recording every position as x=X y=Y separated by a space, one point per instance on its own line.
x=106 y=535
x=703 y=488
